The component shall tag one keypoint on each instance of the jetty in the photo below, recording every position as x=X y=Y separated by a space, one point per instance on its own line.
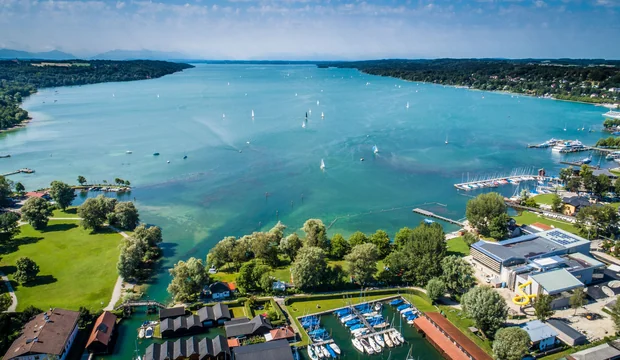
x=435 y=216
x=579 y=164
x=131 y=304
x=24 y=171
x=363 y=319
x=376 y=333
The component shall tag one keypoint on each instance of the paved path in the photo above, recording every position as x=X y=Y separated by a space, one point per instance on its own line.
x=11 y=293
x=118 y=287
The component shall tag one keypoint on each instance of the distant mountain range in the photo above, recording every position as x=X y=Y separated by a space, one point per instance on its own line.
x=109 y=55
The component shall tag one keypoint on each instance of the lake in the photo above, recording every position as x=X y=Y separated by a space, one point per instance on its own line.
x=242 y=174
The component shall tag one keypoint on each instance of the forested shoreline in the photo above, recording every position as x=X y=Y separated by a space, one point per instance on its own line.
x=592 y=81
x=20 y=78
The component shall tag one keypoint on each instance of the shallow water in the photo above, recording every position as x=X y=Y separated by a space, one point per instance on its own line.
x=229 y=187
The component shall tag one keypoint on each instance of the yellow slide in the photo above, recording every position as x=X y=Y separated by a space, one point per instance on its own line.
x=524 y=298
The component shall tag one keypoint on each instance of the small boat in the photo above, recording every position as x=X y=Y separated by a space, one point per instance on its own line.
x=371 y=315
x=312 y=354
x=379 y=340
x=346 y=318
x=326 y=353
x=378 y=306
x=155 y=154
x=303 y=124
x=252 y=113
x=158 y=95
x=141 y=333
x=128 y=152
x=335 y=348
x=317 y=103
x=358 y=345
x=564 y=127
x=322 y=164
x=446 y=139
x=223 y=116
x=148 y=333
x=396 y=302
x=184 y=157
x=374 y=345
x=309 y=111
x=369 y=349
x=322 y=115
x=400 y=338
x=394 y=338
x=387 y=340
x=407 y=106
x=403 y=307
x=587 y=160
x=317 y=351
x=375 y=149
x=356 y=326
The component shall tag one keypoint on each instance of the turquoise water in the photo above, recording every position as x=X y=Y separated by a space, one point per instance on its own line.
x=219 y=191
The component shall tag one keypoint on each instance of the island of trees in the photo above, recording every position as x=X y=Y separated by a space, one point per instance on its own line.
x=22 y=78
x=595 y=81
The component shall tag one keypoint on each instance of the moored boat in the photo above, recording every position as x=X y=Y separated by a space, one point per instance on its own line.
x=141 y=333
x=369 y=349
x=148 y=333
x=379 y=340
x=374 y=344
x=311 y=353
x=388 y=340
x=335 y=347
x=358 y=345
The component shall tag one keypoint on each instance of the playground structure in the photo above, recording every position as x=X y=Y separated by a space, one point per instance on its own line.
x=524 y=298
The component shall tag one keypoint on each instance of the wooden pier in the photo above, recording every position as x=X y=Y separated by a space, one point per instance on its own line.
x=579 y=164
x=433 y=215
x=377 y=333
x=363 y=319
x=130 y=304
x=24 y=170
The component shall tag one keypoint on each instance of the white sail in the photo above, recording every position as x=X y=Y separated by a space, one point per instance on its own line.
x=317 y=103
x=303 y=124
x=223 y=116
x=322 y=115
x=322 y=164
x=375 y=149
x=446 y=139
x=407 y=106
x=252 y=113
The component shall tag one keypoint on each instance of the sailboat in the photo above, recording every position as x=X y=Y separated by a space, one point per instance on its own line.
x=564 y=126
x=303 y=124
x=322 y=115
x=252 y=113
x=407 y=106
x=317 y=103
x=223 y=116
x=322 y=164
x=375 y=149
x=583 y=127
x=158 y=95
x=446 y=139
x=310 y=111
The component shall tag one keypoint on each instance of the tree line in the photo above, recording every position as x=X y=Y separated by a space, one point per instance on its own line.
x=563 y=79
x=21 y=78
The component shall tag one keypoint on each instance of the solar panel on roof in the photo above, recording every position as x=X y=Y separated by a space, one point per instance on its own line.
x=561 y=238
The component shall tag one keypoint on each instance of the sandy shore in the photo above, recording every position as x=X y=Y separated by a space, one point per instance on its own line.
x=17 y=127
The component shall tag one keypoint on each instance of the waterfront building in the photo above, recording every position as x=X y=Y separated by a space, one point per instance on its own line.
x=244 y=327
x=100 y=337
x=192 y=348
x=273 y=350
x=542 y=336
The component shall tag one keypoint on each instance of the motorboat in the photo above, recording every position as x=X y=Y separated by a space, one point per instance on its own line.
x=378 y=306
x=356 y=326
x=387 y=340
x=141 y=333
x=369 y=349
x=331 y=352
x=128 y=152
x=375 y=149
x=322 y=164
x=403 y=306
x=395 y=338
x=318 y=352
x=397 y=302
x=312 y=354
x=374 y=344
x=379 y=340
x=405 y=310
x=358 y=345
x=335 y=348
x=326 y=353
x=155 y=154
x=568 y=146
x=613 y=155
x=346 y=318
x=400 y=338
x=148 y=333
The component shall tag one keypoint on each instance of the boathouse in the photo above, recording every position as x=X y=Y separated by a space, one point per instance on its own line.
x=101 y=336
x=214 y=315
x=192 y=348
x=244 y=327
x=447 y=339
x=273 y=350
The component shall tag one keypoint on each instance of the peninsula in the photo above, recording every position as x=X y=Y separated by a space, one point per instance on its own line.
x=20 y=78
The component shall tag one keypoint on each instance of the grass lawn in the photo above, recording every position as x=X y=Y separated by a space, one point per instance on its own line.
x=462 y=323
x=76 y=268
x=544 y=199
x=457 y=246
x=69 y=213
x=527 y=218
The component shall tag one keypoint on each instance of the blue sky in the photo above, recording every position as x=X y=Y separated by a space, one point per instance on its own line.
x=317 y=29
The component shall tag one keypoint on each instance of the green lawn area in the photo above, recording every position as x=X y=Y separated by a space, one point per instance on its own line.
x=460 y=321
x=527 y=218
x=76 y=268
x=457 y=246
x=69 y=213
x=544 y=198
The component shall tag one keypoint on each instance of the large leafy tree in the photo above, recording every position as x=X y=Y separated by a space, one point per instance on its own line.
x=94 y=211
x=483 y=210
x=357 y=238
x=316 y=233
x=309 y=268
x=290 y=245
x=129 y=265
x=403 y=236
x=458 y=275
x=486 y=307
x=577 y=300
x=20 y=188
x=221 y=253
x=435 y=289
x=5 y=190
x=277 y=232
x=542 y=307
x=264 y=248
x=9 y=226
x=339 y=246
x=62 y=194
x=125 y=216
x=511 y=343
x=362 y=262
x=81 y=180
x=382 y=241
x=27 y=270
x=36 y=212
x=602 y=184
x=151 y=234
x=587 y=177
x=595 y=221
x=250 y=276
x=242 y=251
x=556 y=203
x=188 y=279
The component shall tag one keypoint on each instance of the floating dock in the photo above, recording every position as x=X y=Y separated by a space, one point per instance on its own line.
x=579 y=163
x=24 y=171
x=493 y=183
x=433 y=215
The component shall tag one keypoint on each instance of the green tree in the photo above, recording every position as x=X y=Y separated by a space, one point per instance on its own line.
x=498 y=228
x=62 y=194
x=27 y=270
x=277 y=233
x=435 y=289
x=316 y=233
x=556 y=203
x=566 y=174
x=587 y=177
x=250 y=275
x=595 y=221
x=242 y=251
x=362 y=262
x=357 y=238
x=339 y=246
x=382 y=241
x=290 y=245
x=94 y=211
x=20 y=189
x=573 y=184
x=470 y=238
x=266 y=282
x=617 y=186
x=577 y=300
x=542 y=307
x=602 y=184
x=5 y=303
x=458 y=275
x=486 y=307
x=125 y=216
x=5 y=190
x=309 y=268
x=403 y=236
x=264 y=249
x=151 y=235
x=36 y=211
x=482 y=212
x=9 y=226
x=188 y=279
x=132 y=252
x=511 y=343
x=221 y=253
x=615 y=314
x=81 y=180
